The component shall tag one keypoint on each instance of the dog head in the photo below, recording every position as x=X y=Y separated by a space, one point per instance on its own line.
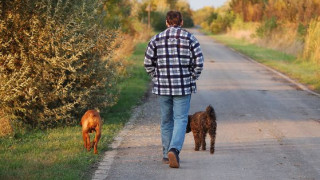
x=188 y=129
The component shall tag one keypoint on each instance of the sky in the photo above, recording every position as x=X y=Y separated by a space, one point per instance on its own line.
x=197 y=4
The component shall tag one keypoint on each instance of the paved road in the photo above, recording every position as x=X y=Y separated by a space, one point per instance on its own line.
x=267 y=128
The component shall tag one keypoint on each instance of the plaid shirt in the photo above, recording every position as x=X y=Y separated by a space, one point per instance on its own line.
x=174 y=60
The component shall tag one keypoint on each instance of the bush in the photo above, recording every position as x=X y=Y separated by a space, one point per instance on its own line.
x=6 y=127
x=158 y=20
x=266 y=28
x=206 y=14
x=212 y=17
x=311 y=50
x=222 y=23
x=301 y=32
x=51 y=67
x=187 y=20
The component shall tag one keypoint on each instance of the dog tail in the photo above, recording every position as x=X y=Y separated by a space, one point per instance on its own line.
x=210 y=112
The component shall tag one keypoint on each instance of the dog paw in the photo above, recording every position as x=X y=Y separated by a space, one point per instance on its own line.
x=211 y=151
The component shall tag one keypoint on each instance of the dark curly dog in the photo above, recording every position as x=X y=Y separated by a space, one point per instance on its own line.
x=200 y=123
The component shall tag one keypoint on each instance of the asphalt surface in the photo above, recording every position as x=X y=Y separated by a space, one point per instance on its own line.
x=268 y=128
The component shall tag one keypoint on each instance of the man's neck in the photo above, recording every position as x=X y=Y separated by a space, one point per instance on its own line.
x=174 y=26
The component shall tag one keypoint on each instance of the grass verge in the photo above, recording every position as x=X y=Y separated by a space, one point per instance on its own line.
x=59 y=153
x=307 y=73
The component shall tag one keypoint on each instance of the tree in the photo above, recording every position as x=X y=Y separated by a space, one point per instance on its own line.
x=204 y=14
x=172 y=4
x=159 y=9
x=249 y=10
x=186 y=12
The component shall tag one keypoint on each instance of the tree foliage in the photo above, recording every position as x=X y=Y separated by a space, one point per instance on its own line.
x=186 y=12
x=250 y=10
x=222 y=22
x=266 y=28
x=213 y=20
x=121 y=15
x=172 y=4
x=283 y=10
x=206 y=14
x=159 y=8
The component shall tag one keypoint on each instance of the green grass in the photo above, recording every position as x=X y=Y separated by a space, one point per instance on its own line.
x=305 y=72
x=59 y=153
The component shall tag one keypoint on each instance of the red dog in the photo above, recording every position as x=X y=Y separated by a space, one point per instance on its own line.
x=91 y=121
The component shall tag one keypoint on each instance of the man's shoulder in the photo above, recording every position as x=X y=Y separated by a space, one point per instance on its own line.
x=186 y=32
x=159 y=36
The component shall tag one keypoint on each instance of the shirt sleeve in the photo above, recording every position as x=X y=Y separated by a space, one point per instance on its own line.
x=150 y=59
x=197 y=58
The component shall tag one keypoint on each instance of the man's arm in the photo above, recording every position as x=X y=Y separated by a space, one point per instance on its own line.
x=197 y=58
x=150 y=59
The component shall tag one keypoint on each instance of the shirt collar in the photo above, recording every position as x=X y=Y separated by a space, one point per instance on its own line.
x=175 y=26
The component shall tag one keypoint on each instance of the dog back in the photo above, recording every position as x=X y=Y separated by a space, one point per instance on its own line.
x=91 y=120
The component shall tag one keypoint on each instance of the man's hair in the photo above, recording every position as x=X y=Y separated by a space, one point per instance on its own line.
x=174 y=18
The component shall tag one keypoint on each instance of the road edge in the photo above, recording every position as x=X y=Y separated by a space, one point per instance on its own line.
x=103 y=168
x=287 y=78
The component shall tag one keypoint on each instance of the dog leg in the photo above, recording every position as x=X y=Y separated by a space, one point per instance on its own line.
x=197 y=142
x=86 y=139
x=212 y=133
x=88 y=142
x=96 y=140
x=203 y=140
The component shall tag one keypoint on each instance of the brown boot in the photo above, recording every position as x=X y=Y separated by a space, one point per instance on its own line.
x=173 y=156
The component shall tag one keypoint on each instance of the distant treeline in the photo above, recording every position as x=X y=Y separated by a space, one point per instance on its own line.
x=291 y=26
x=295 y=11
x=158 y=10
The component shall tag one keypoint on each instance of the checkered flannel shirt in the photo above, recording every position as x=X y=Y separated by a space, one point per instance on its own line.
x=174 y=60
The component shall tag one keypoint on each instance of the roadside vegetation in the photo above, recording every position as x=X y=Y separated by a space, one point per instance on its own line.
x=61 y=58
x=303 y=71
x=58 y=153
x=283 y=34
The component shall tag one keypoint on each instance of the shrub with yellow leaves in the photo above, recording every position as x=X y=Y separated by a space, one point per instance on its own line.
x=51 y=61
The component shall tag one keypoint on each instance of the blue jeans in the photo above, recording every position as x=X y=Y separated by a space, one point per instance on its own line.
x=174 y=119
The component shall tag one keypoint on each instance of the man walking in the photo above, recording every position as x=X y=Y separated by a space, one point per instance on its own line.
x=174 y=61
